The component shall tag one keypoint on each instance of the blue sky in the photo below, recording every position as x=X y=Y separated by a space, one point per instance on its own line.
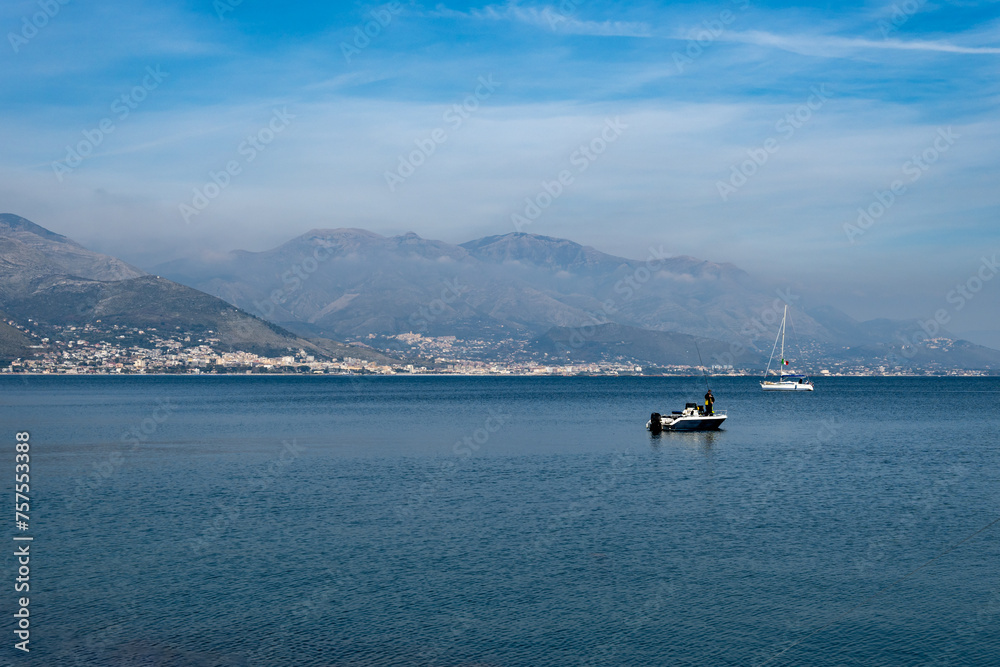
x=697 y=89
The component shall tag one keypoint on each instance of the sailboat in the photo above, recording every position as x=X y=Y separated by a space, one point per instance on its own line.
x=786 y=381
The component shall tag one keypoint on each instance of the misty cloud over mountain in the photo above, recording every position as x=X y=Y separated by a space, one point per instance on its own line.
x=552 y=296
x=345 y=283
x=350 y=282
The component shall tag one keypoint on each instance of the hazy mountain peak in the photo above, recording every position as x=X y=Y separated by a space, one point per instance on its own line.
x=342 y=238
x=537 y=250
x=521 y=239
x=51 y=279
x=15 y=223
x=340 y=233
x=28 y=251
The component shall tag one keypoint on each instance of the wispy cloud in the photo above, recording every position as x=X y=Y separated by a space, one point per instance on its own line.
x=550 y=19
x=834 y=45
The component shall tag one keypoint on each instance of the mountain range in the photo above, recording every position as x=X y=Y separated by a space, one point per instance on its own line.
x=48 y=279
x=550 y=296
x=351 y=282
x=346 y=283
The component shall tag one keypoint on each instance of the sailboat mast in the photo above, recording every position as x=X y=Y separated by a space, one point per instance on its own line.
x=782 y=363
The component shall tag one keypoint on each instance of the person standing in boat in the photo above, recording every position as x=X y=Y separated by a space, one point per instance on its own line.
x=709 y=403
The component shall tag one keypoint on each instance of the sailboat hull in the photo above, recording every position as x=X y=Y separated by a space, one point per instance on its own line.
x=786 y=386
x=786 y=381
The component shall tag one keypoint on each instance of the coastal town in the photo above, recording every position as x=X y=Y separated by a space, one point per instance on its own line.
x=86 y=350
x=71 y=350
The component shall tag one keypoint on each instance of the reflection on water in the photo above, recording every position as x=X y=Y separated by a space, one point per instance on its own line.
x=702 y=440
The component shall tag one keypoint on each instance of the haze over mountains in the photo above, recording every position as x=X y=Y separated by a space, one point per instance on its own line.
x=52 y=280
x=352 y=283
x=553 y=296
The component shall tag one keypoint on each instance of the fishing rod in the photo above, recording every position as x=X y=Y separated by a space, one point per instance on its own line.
x=702 y=365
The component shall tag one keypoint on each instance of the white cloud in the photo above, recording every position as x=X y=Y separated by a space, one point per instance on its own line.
x=550 y=19
x=827 y=45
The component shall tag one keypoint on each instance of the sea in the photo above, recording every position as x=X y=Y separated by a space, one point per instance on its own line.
x=503 y=521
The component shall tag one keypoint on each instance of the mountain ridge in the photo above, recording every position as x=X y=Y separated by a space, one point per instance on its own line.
x=520 y=281
x=50 y=279
x=348 y=282
x=508 y=291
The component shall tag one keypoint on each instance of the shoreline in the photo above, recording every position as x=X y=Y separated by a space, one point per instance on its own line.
x=958 y=374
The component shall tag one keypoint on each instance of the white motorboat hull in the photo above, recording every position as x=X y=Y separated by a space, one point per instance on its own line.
x=786 y=386
x=690 y=422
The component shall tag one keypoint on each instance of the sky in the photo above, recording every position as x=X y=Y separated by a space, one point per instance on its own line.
x=846 y=150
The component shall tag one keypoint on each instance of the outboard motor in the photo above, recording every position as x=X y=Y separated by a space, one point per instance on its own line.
x=655 y=425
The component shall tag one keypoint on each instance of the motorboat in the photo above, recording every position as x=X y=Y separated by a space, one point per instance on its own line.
x=692 y=418
x=785 y=381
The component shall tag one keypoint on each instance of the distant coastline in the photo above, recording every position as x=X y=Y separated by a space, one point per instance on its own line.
x=953 y=373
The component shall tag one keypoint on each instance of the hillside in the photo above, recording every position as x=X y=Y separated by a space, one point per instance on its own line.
x=347 y=282
x=618 y=342
x=53 y=281
x=13 y=343
x=352 y=283
x=505 y=297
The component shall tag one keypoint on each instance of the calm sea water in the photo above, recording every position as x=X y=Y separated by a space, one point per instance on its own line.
x=493 y=522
